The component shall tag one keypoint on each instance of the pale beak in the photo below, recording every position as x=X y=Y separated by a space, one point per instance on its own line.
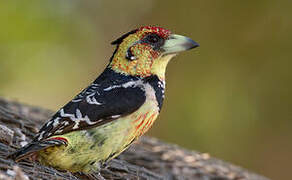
x=177 y=43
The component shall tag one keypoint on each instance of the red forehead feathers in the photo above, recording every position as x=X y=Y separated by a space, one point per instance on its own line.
x=158 y=30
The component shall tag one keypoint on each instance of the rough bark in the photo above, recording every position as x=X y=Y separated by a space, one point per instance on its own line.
x=149 y=158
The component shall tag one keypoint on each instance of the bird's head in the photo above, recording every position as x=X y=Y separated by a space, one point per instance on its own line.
x=146 y=51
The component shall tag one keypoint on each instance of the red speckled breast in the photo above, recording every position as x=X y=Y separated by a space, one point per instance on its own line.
x=143 y=122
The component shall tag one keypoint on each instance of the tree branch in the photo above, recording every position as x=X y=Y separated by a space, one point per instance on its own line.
x=149 y=158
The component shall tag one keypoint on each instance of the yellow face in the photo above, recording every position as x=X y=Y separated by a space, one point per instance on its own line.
x=147 y=51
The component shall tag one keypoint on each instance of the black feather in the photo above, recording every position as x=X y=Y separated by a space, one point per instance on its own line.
x=120 y=39
x=33 y=147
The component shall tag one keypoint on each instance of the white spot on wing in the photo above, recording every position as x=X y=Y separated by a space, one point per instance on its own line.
x=91 y=99
x=76 y=125
x=76 y=118
x=115 y=116
x=76 y=100
x=89 y=90
x=59 y=131
x=56 y=122
x=126 y=85
x=23 y=143
x=41 y=135
x=78 y=114
x=63 y=114
x=49 y=123
x=87 y=120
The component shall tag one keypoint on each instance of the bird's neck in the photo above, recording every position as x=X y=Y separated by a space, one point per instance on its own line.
x=159 y=66
x=159 y=87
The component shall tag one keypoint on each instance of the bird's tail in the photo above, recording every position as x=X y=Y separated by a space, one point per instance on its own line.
x=35 y=146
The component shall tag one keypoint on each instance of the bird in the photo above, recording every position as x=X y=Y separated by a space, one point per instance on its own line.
x=118 y=107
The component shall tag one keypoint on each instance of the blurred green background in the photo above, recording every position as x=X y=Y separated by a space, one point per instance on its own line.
x=231 y=97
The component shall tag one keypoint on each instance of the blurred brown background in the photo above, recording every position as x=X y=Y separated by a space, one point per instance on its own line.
x=231 y=97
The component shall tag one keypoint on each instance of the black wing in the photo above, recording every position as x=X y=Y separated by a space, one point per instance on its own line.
x=93 y=107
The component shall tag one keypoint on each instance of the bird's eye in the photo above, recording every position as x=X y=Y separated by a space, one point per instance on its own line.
x=153 y=38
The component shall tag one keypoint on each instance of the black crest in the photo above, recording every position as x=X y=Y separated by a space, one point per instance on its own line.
x=120 y=40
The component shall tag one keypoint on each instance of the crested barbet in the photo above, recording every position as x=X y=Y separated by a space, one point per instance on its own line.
x=115 y=109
